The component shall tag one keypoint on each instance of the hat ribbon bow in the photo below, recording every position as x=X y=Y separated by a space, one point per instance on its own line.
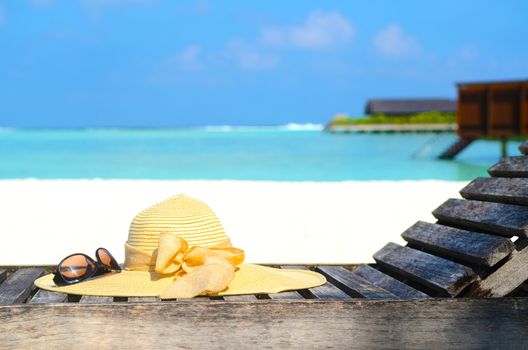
x=198 y=270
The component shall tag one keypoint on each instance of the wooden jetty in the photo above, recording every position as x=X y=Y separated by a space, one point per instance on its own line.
x=389 y=128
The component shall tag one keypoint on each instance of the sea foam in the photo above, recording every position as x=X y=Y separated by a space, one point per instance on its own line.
x=285 y=127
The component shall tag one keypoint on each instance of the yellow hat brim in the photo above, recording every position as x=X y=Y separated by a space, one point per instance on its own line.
x=249 y=279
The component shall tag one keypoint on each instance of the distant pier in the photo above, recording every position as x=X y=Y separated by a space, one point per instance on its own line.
x=391 y=128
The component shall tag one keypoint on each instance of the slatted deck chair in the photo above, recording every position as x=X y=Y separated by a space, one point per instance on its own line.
x=458 y=283
x=477 y=248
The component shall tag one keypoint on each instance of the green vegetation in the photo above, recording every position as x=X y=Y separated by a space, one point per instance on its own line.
x=421 y=118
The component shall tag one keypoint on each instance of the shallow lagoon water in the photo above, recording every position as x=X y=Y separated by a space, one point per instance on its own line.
x=275 y=154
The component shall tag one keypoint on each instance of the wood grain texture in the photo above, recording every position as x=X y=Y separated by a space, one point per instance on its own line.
x=378 y=278
x=325 y=292
x=471 y=247
x=19 y=285
x=444 y=276
x=90 y=299
x=308 y=324
x=143 y=299
x=293 y=295
x=245 y=297
x=46 y=297
x=497 y=189
x=3 y=275
x=502 y=219
x=507 y=277
x=329 y=292
x=353 y=283
x=510 y=167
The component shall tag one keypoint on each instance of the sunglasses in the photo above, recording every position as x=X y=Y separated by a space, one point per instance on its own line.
x=79 y=267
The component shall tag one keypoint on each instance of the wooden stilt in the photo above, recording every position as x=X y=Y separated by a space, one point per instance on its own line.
x=456 y=148
x=504 y=147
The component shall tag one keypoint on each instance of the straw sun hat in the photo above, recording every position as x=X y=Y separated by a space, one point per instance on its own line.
x=177 y=249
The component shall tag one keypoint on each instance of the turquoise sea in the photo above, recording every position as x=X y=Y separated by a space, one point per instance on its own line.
x=288 y=153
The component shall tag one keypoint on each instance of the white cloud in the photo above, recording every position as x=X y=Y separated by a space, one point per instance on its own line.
x=188 y=58
x=174 y=68
x=466 y=54
x=393 y=42
x=320 y=30
x=249 y=58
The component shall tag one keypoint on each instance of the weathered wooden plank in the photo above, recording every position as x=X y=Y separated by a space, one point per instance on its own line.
x=46 y=297
x=325 y=292
x=524 y=147
x=193 y=300
x=91 y=299
x=292 y=295
x=507 y=277
x=19 y=285
x=389 y=283
x=512 y=190
x=444 y=276
x=244 y=297
x=503 y=219
x=329 y=292
x=358 y=286
x=471 y=247
x=510 y=167
x=3 y=275
x=143 y=300
x=309 y=324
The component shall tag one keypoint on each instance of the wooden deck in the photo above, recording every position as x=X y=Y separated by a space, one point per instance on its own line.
x=434 y=292
x=389 y=128
x=335 y=315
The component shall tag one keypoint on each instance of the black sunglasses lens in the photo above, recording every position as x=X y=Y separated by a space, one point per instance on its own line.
x=76 y=266
x=107 y=259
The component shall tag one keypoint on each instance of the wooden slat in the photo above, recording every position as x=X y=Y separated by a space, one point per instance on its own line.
x=19 y=285
x=498 y=189
x=353 y=283
x=524 y=147
x=244 y=297
x=389 y=283
x=510 y=167
x=194 y=300
x=46 y=297
x=143 y=300
x=503 y=219
x=444 y=276
x=471 y=247
x=293 y=295
x=506 y=279
x=325 y=292
x=90 y=299
x=329 y=292
x=311 y=324
x=3 y=275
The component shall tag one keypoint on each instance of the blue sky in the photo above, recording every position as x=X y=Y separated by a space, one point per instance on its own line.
x=105 y=63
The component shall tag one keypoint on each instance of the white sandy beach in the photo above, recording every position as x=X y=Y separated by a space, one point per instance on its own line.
x=274 y=222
